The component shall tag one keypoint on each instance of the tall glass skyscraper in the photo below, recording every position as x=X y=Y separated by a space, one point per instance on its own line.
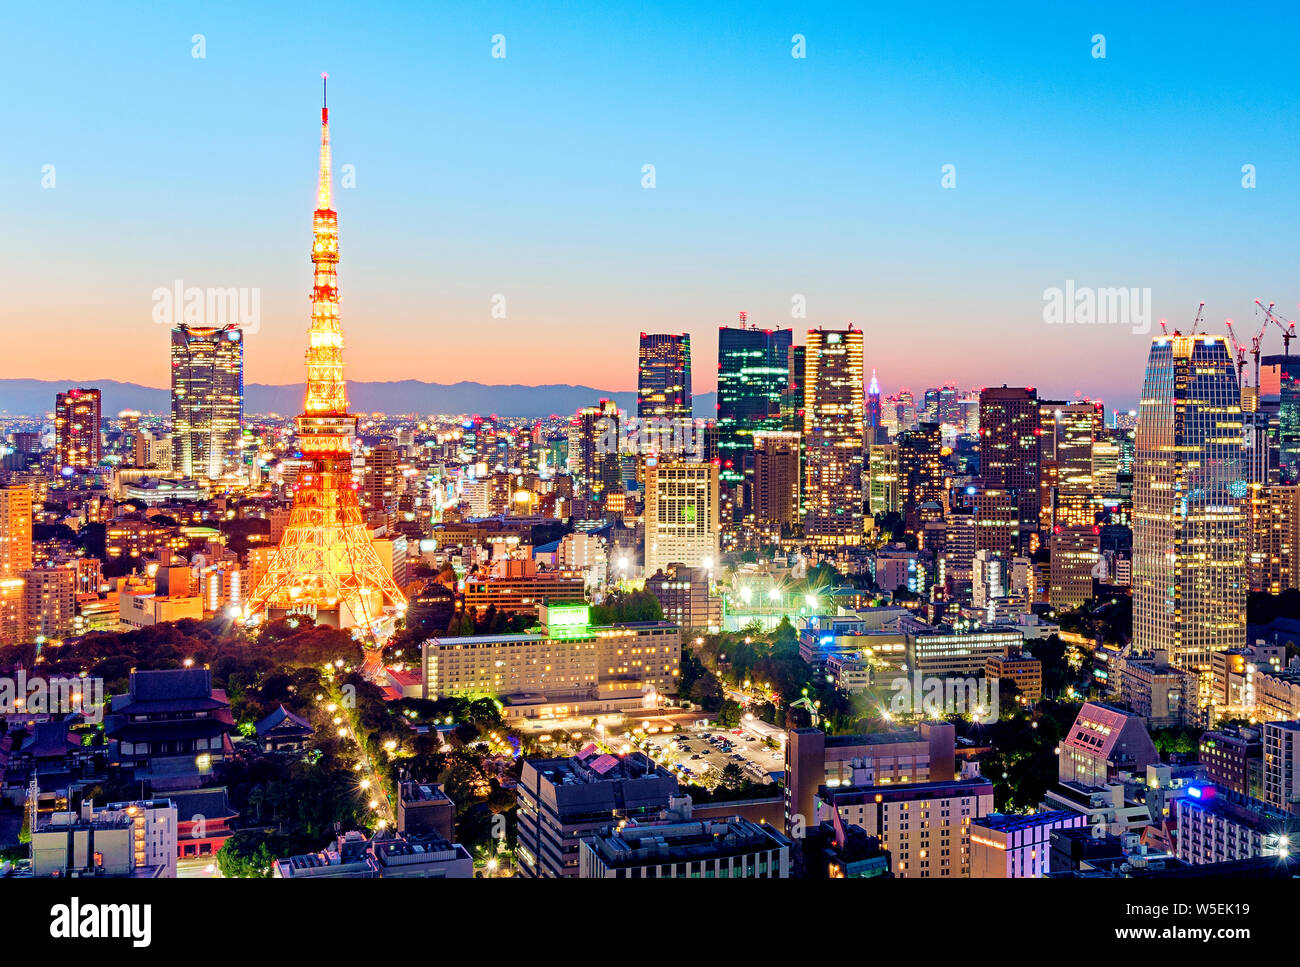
x=833 y=434
x=207 y=400
x=1189 y=503
x=663 y=386
x=753 y=375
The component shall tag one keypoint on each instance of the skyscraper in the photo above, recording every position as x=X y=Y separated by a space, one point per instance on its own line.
x=1066 y=438
x=76 y=429
x=207 y=400
x=326 y=563
x=664 y=376
x=920 y=475
x=1279 y=394
x=1190 y=528
x=753 y=375
x=833 y=436
x=875 y=423
x=776 y=478
x=1009 y=448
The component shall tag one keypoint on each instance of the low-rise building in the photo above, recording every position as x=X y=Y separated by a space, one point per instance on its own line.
x=566 y=667
x=563 y=801
x=1024 y=671
x=125 y=839
x=925 y=826
x=732 y=848
x=353 y=856
x=1219 y=826
x=1103 y=741
x=1017 y=847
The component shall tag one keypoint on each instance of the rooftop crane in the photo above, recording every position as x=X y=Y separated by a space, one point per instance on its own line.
x=1196 y=323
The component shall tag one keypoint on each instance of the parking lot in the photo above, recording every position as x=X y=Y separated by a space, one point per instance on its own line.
x=695 y=752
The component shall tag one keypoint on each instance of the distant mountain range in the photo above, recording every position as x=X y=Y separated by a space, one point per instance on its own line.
x=35 y=396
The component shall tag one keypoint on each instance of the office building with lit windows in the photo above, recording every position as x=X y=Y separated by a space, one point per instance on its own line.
x=664 y=376
x=77 y=444
x=681 y=515
x=1009 y=445
x=833 y=436
x=754 y=374
x=207 y=401
x=1189 y=504
x=882 y=476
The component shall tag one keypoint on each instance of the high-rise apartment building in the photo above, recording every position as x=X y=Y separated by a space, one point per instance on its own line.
x=49 y=601
x=207 y=400
x=681 y=515
x=833 y=436
x=1189 y=504
x=77 y=443
x=664 y=376
x=15 y=529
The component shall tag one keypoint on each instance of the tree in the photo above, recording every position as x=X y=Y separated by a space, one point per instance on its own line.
x=732 y=776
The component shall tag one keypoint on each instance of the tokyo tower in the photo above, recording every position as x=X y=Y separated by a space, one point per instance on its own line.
x=326 y=565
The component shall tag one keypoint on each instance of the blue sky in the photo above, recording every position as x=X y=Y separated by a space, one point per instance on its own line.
x=521 y=177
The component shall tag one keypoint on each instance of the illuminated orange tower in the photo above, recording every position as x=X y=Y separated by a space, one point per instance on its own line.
x=326 y=564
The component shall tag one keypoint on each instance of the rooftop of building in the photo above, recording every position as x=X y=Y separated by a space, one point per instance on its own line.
x=590 y=766
x=895 y=791
x=687 y=841
x=1005 y=823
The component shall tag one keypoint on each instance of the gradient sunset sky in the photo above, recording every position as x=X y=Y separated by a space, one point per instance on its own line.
x=522 y=177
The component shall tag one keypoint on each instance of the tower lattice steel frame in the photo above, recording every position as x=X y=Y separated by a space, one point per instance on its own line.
x=326 y=560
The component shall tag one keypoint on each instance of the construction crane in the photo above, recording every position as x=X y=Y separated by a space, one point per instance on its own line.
x=1256 y=341
x=1283 y=323
x=1239 y=352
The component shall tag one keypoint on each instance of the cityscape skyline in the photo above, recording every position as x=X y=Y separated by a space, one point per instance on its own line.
x=558 y=225
x=907 y=597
